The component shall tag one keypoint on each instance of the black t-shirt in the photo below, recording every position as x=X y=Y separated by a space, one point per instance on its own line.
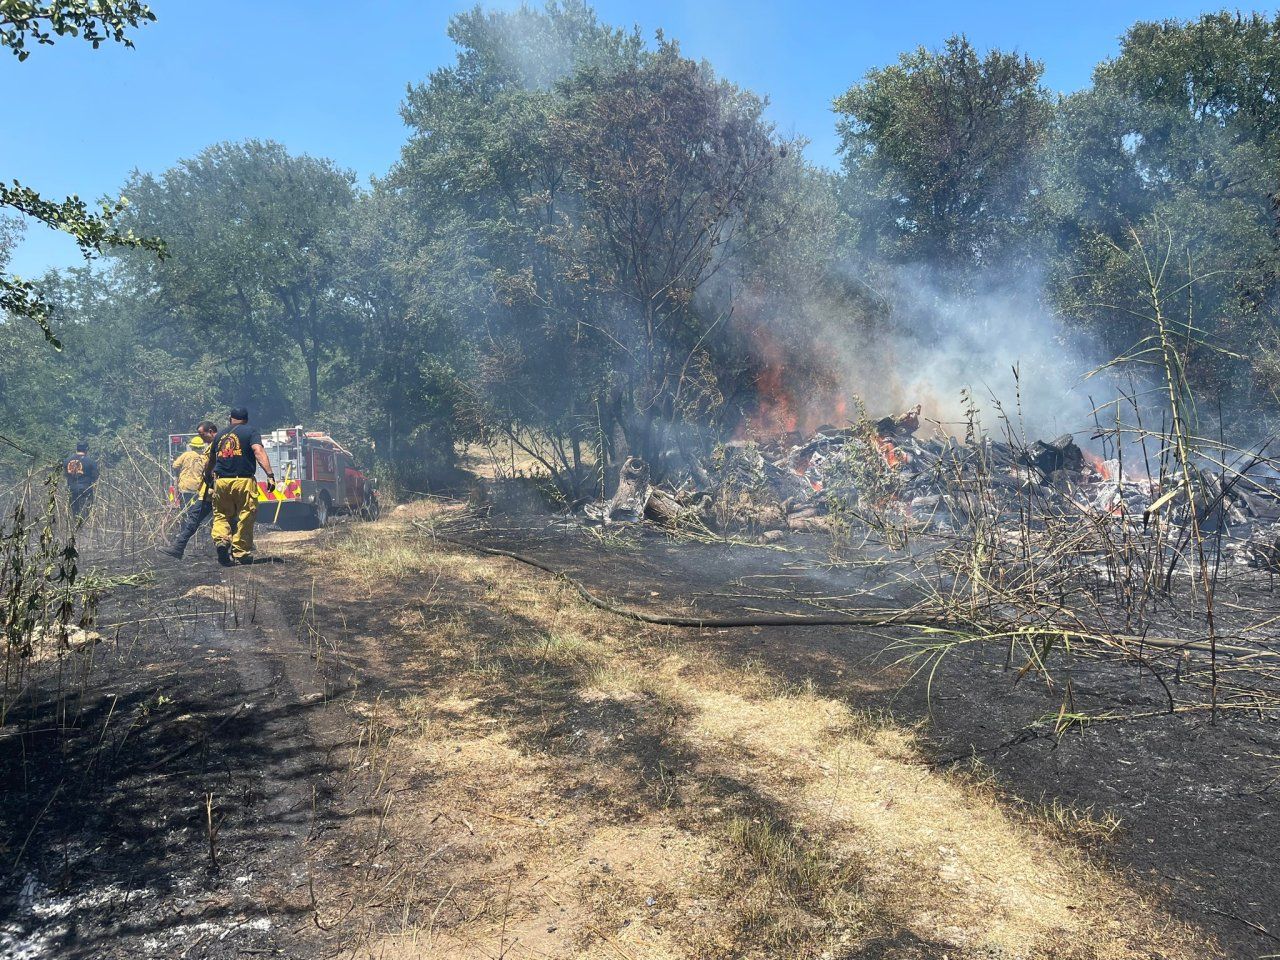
x=233 y=451
x=81 y=472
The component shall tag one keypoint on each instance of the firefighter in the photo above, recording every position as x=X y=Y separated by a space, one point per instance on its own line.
x=194 y=494
x=233 y=461
x=82 y=477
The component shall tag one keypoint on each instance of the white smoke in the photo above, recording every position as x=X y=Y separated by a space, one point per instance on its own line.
x=950 y=342
x=942 y=340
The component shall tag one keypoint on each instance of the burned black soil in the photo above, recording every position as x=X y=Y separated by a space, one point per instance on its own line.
x=216 y=695
x=193 y=712
x=1197 y=797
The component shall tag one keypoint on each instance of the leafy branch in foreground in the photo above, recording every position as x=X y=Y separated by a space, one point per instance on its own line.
x=92 y=20
x=91 y=232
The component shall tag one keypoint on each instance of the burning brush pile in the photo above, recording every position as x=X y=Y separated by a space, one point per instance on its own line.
x=1057 y=555
x=885 y=473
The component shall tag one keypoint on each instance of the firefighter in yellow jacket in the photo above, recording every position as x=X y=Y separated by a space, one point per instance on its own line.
x=233 y=461
x=189 y=468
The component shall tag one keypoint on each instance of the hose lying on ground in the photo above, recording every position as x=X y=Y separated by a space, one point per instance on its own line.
x=904 y=618
x=868 y=619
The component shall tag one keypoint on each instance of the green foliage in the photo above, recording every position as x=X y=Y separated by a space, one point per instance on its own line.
x=23 y=22
x=1223 y=69
x=1177 y=146
x=93 y=21
x=256 y=236
x=943 y=144
x=91 y=232
x=488 y=232
x=403 y=368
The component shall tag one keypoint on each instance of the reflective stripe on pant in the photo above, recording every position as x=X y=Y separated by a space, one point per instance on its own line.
x=235 y=499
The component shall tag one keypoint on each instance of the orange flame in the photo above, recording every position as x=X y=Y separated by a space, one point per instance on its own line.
x=1097 y=464
x=781 y=405
x=890 y=453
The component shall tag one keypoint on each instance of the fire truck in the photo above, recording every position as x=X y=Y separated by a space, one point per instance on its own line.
x=316 y=477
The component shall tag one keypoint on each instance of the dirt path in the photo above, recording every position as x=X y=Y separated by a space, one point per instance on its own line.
x=413 y=751
x=558 y=782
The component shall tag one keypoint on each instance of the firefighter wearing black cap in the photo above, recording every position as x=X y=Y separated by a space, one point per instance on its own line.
x=82 y=475
x=234 y=458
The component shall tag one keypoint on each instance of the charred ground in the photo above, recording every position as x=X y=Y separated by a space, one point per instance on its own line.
x=1191 y=796
x=417 y=750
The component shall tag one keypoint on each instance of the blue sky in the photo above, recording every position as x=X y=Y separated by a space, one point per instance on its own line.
x=326 y=77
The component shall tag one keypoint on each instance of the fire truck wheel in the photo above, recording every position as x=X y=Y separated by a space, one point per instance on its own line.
x=321 y=510
x=308 y=516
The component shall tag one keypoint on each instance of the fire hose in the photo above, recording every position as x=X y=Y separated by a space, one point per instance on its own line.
x=869 y=618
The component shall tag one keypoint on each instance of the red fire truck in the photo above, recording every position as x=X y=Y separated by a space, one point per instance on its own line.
x=316 y=477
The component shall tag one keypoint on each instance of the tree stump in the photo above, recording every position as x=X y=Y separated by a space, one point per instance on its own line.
x=629 y=501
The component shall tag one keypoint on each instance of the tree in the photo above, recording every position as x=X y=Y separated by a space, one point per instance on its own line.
x=1179 y=136
x=94 y=21
x=406 y=358
x=1222 y=69
x=257 y=236
x=941 y=147
x=484 y=196
x=668 y=164
x=569 y=194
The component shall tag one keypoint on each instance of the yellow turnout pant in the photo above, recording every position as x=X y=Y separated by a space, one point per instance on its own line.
x=235 y=498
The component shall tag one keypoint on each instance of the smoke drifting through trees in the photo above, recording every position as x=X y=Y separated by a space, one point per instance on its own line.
x=594 y=245
x=945 y=342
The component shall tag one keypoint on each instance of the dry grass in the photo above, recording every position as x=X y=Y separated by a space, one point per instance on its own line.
x=374 y=557
x=567 y=784
x=793 y=889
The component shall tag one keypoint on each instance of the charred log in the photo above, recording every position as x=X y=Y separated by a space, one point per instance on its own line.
x=672 y=510
x=1049 y=456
